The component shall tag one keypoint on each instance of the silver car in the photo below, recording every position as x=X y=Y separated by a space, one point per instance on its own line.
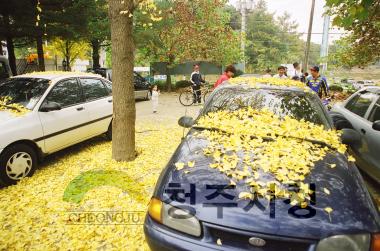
x=361 y=112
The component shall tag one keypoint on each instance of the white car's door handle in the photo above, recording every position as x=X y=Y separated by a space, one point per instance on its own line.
x=110 y=101
x=80 y=108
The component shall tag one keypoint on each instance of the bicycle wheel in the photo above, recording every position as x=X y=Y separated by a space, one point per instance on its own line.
x=186 y=98
x=206 y=94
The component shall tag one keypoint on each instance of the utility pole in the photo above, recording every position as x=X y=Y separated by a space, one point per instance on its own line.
x=307 y=51
x=244 y=6
x=325 y=42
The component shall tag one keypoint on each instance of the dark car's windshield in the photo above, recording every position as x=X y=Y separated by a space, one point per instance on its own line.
x=281 y=102
x=24 y=91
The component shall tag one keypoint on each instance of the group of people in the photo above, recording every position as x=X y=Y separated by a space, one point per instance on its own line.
x=315 y=80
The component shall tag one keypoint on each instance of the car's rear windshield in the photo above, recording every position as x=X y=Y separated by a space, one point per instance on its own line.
x=24 y=91
x=296 y=104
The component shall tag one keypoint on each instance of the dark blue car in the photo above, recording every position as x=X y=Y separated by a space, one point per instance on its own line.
x=200 y=210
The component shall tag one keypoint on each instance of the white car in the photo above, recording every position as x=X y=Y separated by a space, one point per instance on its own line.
x=64 y=109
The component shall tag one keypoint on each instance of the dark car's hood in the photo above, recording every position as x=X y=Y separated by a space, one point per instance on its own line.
x=353 y=209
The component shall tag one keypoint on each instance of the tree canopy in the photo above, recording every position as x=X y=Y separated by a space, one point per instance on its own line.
x=362 y=20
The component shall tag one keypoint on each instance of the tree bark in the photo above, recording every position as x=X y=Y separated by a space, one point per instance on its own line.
x=95 y=53
x=11 y=55
x=124 y=110
x=40 y=53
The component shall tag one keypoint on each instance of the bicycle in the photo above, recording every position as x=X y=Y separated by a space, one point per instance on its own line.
x=186 y=97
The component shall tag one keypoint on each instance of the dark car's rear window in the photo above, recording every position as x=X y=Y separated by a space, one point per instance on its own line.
x=298 y=105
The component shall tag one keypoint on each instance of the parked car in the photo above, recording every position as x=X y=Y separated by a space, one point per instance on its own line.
x=361 y=112
x=191 y=222
x=5 y=70
x=64 y=109
x=142 y=86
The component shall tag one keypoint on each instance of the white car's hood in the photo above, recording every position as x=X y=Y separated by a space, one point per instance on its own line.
x=6 y=116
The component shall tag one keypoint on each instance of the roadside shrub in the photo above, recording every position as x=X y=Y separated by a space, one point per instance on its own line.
x=182 y=84
x=336 y=88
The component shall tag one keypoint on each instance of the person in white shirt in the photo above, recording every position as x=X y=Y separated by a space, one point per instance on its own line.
x=298 y=75
x=155 y=94
x=281 y=73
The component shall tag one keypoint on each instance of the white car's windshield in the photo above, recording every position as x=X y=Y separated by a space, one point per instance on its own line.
x=24 y=91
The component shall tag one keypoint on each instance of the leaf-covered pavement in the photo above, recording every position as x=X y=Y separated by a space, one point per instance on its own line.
x=35 y=215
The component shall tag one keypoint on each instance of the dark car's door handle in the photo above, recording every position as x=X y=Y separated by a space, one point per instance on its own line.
x=80 y=108
x=110 y=101
x=363 y=131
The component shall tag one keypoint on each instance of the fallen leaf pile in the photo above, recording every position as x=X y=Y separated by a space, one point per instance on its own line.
x=15 y=109
x=34 y=214
x=255 y=82
x=252 y=146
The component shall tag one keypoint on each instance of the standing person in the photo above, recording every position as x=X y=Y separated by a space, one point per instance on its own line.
x=317 y=83
x=196 y=80
x=155 y=94
x=297 y=70
x=229 y=72
x=267 y=73
x=281 y=73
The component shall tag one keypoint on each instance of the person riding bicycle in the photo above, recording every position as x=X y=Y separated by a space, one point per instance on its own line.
x=317 y=83
x=196 y=80
x=229 y=72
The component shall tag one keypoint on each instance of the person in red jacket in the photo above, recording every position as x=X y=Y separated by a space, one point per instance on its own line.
x=228 y=73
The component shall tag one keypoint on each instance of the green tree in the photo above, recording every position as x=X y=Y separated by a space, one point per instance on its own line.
x=362 y=19
x=189 y=30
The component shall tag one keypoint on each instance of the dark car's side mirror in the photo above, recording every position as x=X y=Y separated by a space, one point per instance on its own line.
x=376 y=125
x=350 y=137
x=50 y=106
x=186 y=122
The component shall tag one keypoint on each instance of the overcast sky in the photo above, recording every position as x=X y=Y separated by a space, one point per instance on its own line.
x=300 y=12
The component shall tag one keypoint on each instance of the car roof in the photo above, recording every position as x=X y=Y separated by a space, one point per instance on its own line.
x=227 y=85
x=373 y=89
x=52 y=75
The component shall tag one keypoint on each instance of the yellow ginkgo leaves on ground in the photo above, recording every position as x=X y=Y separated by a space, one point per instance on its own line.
x=248 y=144
x=34 y=216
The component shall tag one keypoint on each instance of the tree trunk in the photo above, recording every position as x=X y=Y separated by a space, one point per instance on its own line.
x=11 y=55
x=168 y=82
x=95 y=53
x=124 y=110
x=40 y=53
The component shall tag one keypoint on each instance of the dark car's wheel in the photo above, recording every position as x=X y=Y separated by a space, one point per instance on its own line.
x=17 y=162
x=109 y=132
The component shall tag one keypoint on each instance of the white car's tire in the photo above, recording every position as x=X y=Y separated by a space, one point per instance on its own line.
x=17 y=162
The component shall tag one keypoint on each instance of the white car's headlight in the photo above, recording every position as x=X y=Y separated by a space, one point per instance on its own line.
x=173 y=217
x=357 y=242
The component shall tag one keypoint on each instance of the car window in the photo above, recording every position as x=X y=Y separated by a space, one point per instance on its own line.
x=108 y=84
x=93 y=89
x=375 y=113
x=360 y=103
x=66 y=93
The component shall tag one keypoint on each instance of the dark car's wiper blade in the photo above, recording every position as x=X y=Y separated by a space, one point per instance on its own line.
x=266 y=138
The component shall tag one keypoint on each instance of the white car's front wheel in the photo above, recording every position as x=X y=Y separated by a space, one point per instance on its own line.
x=17 y=162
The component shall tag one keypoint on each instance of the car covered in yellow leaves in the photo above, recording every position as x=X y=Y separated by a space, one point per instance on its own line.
x=262 y=168
x=41 y=113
